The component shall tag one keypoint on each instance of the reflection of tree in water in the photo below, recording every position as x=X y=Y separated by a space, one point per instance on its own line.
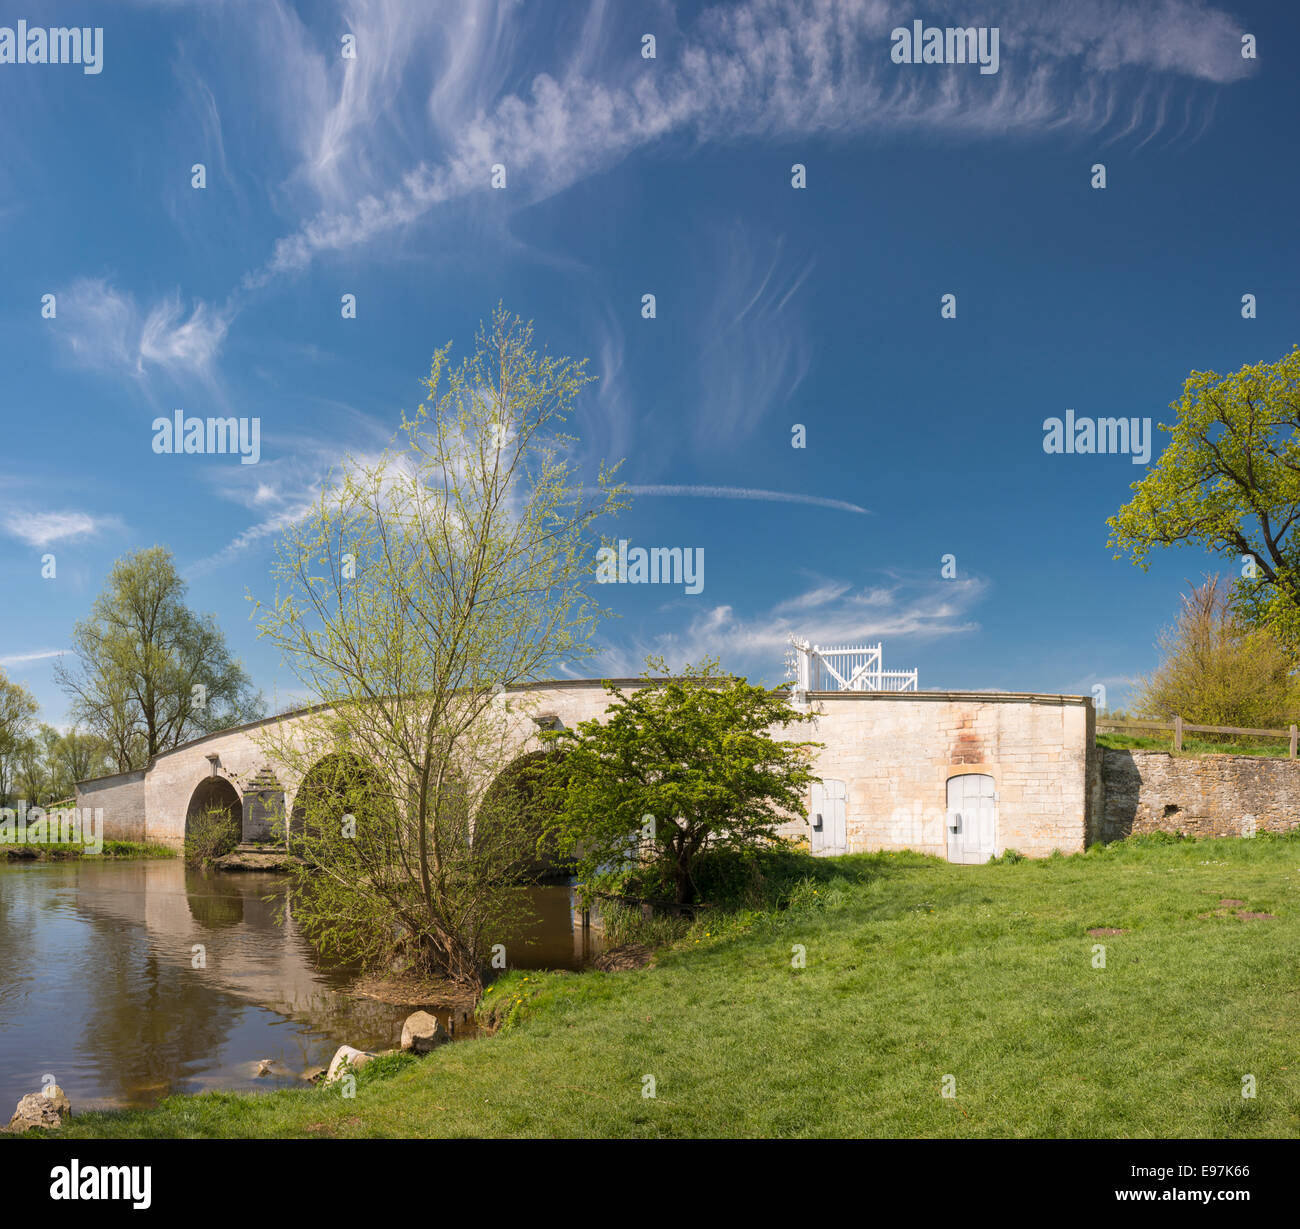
x=326 y=1009
x=139 y=1021
x=212 y=904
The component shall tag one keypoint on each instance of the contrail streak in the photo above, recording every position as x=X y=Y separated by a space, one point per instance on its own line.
x=740 y=492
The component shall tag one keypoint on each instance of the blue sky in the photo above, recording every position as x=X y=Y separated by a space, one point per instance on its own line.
x=672 y=176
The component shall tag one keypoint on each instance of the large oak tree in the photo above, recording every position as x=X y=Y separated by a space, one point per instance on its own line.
x=1228 y=482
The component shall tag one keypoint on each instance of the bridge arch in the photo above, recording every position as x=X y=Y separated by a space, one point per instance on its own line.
x=517 y=791
x=216 y=795
x=338 y=784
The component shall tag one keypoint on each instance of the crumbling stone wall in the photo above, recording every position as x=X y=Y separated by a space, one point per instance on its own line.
x=1201 y=795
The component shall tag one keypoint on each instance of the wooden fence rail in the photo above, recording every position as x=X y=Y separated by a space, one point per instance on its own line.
x=1179 y=727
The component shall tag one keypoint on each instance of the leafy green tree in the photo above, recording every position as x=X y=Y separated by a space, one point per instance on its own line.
x=1228 y=481
x=1216 y=670
x=151 y=674
x=18 y=707
x=677 y=767
x=76 y=756
x=419 y=589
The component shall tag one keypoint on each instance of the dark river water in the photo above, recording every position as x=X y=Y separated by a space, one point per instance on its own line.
x=98 y=988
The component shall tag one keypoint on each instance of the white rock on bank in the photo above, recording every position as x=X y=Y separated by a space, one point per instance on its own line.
x=423 y=1032
x=346 y=1056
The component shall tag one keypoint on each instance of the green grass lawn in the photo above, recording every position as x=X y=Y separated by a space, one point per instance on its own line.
x=1273 y=748
x=916 y=970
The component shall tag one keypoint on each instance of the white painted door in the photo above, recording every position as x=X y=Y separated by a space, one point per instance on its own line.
x=826 y=817
x=972 y=818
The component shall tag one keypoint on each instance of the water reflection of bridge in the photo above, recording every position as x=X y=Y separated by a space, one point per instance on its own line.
x=99 y=981
x=252 y=949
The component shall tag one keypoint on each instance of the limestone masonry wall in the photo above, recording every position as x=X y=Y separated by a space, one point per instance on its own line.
x=121 y=798
x=896 y=751
x=163 y=791
x=1203 y=795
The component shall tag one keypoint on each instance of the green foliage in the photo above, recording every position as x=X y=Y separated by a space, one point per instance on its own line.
x=808 y=893
x=45 y=766
x=507 y=1002
x=421 y=587
x=1142 y=840
x=209 y=835
x=1229 y=482
x=61 y=852
x=1275 y=748
x=17 y=709
x=676 y=768
x=522 y=796
x=627 y=923
x=137 y=849
x=148 y=672
x=757 y=877
x=381 y=1067
x=1216 y=670
x=1009 y=857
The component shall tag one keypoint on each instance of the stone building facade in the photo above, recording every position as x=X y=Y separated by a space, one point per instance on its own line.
x=963 y=775
x=899 y=756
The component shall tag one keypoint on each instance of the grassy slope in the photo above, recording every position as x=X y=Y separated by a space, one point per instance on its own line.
x=915 y=970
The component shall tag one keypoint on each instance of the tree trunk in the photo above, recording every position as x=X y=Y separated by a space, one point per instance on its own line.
x=685 y=888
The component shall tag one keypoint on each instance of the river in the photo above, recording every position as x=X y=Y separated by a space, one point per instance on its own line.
x=98 y=986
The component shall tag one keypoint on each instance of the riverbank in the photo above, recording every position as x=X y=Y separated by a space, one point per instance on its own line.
x=69 y=852
x=888 y=978
x=254 y=858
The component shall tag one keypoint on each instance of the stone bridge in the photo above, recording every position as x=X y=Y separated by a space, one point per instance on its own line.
x=964 y=775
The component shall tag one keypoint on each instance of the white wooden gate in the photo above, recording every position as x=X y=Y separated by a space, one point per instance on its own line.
x=814 y=667
x=972 y=818
x=826 y=817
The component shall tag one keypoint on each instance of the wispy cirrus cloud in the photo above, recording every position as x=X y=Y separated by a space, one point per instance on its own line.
x=765 y=68
x=438 y=93
x=903 y=610
x=756 y=354
x=103 y=328
x=290 y=491
x=471 y=81
x=282 y=494
x=46 y=528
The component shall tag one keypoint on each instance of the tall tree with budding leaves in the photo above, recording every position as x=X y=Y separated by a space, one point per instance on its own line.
x=18 y=708
x=148 y=673
x=1214 y=670
x=421 y=589
x=1228 y=482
